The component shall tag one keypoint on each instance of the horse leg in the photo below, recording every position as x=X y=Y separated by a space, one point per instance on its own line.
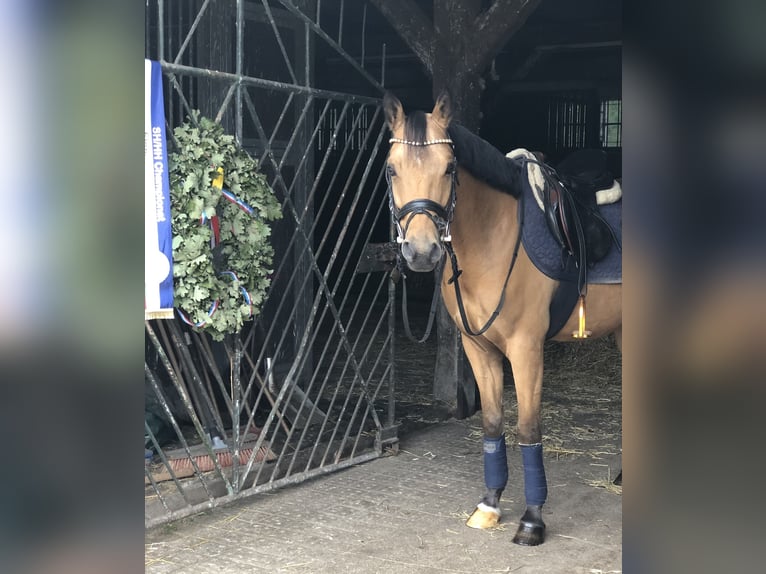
x=487 y=365
x=527 y=364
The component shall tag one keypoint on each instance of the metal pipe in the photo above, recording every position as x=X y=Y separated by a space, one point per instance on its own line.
x=239 y=64
x=322 y=34
x=192 y=29
x=161 y=30
x=152 y=381
x=383 y=66
x=278 y=36
x=190 y=409
x=364 y=29
x=267 y=84
x=258 y=489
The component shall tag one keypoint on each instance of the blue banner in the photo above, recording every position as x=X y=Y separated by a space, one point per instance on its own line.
x=158 y=239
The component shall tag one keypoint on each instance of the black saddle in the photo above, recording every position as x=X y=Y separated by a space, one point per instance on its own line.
x=571 y=211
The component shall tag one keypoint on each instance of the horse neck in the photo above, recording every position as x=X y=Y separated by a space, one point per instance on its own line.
x=485 y=223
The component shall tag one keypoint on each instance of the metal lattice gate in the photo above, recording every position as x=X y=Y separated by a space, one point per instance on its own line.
x=308 y=386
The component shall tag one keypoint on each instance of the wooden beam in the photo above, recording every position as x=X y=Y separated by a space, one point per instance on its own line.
x=491 y=30
x=414 y=27
x=539 y=51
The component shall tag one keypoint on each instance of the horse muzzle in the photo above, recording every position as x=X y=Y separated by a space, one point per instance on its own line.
x=421 y=255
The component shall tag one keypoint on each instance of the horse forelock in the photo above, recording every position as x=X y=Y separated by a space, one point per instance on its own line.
x=415 y=128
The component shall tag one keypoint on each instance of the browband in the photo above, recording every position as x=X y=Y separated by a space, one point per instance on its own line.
x=427 y=142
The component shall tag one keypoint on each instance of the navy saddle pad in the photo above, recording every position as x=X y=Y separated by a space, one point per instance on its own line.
x=551 y=259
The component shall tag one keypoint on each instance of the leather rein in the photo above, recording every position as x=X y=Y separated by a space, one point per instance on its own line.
x=441 y=216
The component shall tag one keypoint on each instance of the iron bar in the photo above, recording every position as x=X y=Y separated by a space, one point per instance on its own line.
x=322 y=34
x=307 y=54
x=261 y=488
x=185 y=103
x=235 y=361
x=262 y=83
x=391 y=331
x=294 y=136
x=165 y=462
x=281 y=44
x=370 y=407
x=370 y=399
x=239 y=64
x=267 y=393
x=160 y=30
x=207 y=354
x=225 y=103
x=275 y=131
x=192 y=29
x=178 y=370
x=153 y=382
x=340 y=23
x=364 y=30
x=383 y=66
x=187 y=403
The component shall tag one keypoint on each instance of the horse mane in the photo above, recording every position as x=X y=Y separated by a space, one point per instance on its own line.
x=484 y=161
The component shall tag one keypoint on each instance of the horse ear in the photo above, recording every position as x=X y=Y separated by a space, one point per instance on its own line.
x=442 y=113
x=394 y=113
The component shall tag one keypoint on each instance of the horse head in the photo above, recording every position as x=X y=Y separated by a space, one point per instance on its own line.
x=422 y=177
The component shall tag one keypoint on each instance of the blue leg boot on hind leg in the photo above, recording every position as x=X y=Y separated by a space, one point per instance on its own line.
x=531 y=530
x=487 y=513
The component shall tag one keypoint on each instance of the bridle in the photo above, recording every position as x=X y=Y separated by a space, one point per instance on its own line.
x=441 y=216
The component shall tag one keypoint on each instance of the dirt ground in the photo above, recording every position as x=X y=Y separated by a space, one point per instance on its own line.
x=406 y=513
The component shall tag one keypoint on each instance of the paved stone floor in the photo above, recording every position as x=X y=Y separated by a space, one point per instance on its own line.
x=403 y=514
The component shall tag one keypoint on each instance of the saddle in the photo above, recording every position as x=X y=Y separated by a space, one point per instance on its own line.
x=569 y=202
x=569 y=197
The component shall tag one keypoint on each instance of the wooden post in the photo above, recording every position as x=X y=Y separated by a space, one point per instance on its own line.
x=454 y=383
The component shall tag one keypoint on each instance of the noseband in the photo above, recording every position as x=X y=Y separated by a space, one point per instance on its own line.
x=440 y=216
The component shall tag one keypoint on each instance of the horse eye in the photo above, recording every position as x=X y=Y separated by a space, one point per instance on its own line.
x=390 y=170
x=451 y=166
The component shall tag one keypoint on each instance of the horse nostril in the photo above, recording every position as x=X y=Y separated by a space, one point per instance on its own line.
x=436 y=252
x=407 y=250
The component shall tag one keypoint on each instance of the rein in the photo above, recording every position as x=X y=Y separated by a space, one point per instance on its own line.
x=441 y=217
x=456 y=272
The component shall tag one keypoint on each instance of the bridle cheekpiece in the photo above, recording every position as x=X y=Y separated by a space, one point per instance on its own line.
x=440 y=215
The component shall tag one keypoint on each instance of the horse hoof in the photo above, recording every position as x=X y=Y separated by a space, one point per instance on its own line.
x=529 y=534
x=483 y=517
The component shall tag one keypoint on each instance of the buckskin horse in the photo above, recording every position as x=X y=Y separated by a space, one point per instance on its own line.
x=457 y=201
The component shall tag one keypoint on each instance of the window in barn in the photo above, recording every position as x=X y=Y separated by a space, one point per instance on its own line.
x=611 y=123
x=566 y=123
x=353 y=128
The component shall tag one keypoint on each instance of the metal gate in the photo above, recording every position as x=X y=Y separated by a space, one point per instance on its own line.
x=310 y=389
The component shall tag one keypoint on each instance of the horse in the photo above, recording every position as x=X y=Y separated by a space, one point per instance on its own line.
x=455 y=197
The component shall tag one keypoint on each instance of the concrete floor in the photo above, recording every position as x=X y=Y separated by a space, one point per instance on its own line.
x=403 y=514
